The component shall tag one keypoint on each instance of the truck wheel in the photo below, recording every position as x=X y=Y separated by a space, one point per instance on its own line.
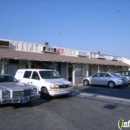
x=44 y=93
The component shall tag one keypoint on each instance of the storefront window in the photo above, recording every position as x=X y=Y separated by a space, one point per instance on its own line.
x=84 y=70
x=12 y=69
x=5 y=69
x=78 y=70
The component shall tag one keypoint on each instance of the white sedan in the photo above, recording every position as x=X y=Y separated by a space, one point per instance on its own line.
x=12 y=91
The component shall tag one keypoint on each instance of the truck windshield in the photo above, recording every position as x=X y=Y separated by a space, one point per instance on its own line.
x=49 y=74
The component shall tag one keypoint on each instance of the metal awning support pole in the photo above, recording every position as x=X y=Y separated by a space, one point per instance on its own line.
x=3 y=63
x=29 y=63
x=73 y=74
x=98 y=68
x=87 y=69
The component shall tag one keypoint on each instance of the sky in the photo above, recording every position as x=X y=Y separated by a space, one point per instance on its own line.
x=87 y=25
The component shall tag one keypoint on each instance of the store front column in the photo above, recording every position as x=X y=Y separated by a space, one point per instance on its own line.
x=2 y=69
x=87 y=70
x=3 y=66
x=73 y=75
x=98 y=68
x=115 y=69
x=108 y=68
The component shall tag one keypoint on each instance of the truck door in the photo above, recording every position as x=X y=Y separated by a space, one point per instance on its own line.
x=26 y=77
x=35 y=79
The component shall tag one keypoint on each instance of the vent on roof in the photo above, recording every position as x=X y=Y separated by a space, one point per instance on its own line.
x=46 y=43
x=98 y=52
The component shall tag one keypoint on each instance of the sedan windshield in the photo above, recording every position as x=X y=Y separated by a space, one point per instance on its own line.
x=7 y=78
x=49 y=74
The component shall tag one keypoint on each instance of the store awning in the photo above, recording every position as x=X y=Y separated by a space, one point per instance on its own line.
x=33 y=56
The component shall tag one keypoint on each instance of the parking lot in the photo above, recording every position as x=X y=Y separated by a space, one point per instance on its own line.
x=117 y=95
x=87 y=108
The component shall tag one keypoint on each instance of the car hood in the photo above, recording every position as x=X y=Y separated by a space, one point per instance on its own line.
x=59 y=81
x=15 y=86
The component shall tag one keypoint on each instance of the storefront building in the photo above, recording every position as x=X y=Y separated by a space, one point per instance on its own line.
x=72 y=64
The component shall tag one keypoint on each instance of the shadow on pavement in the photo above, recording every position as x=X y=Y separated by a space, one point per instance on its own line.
x=118 y=92
x=33 y=103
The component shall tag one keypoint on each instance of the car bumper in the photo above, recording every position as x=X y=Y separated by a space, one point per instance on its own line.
x=61 y=91
x=122 y=84
x=19 y=100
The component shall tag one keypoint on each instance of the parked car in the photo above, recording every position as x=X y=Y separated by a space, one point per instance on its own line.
x=12 y=91
x=49 y=82
x=125 y=73
x=105 y=78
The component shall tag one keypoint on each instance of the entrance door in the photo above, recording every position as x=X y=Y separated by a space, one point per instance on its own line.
x=70 y=69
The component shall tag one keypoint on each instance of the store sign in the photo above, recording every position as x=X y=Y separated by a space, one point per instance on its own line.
x=60 y=51
x=84 y=54
x=69 y=52
x=94 y=55
x=115 y=58
x=48 y=49
x=101 y=56
x=107 y=57
x=4 y=44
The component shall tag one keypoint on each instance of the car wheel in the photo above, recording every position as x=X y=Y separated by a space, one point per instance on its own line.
x=44 y=93
x=85 y=82
x=111 y=84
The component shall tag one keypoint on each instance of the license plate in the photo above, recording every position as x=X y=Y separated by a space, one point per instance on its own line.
x=64 y=91
x=24 y=101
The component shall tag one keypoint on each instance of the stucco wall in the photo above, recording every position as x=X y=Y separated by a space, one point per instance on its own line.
x=78 y=79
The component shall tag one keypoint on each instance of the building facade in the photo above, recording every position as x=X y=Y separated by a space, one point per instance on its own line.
x=72 y=65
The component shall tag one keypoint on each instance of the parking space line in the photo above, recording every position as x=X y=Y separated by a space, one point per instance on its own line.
x=105 y=98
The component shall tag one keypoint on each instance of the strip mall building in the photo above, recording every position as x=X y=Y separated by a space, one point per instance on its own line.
x=72 y=64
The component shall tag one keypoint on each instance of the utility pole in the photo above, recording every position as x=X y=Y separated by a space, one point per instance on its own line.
x=59 y=38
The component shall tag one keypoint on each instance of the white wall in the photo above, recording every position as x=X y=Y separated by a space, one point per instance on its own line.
x=78 y=79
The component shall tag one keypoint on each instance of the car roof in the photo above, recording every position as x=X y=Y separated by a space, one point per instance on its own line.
x=6 y=75
x=37 y=69
x=123 y=71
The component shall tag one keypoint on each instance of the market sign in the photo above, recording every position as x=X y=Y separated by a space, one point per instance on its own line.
x=84 y=54
x=4 y=44
x=60 y=51
x=116 y=58
x=48 y=49
x=101 y=56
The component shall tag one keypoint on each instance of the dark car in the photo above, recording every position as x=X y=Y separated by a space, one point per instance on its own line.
x=125 y=73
